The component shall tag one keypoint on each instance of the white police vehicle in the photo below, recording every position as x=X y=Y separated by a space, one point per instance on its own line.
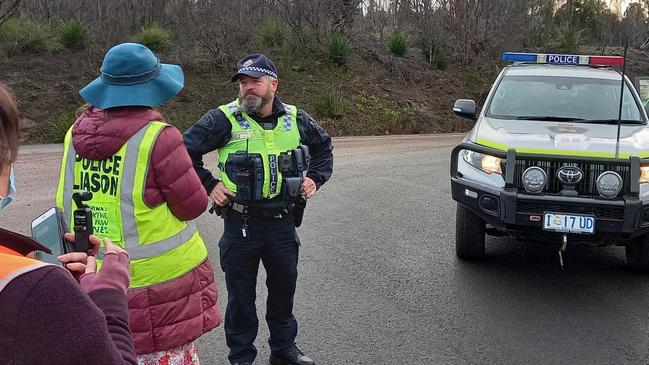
x=558 y=153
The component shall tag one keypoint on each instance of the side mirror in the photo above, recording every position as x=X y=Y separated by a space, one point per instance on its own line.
x=465 y=108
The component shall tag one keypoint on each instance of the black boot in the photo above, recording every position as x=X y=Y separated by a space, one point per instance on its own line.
x=292 y=356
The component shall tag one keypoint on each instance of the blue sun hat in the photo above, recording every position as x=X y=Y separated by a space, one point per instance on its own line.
x=132 y=75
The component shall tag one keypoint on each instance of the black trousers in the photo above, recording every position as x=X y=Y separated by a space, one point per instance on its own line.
x=276 y=244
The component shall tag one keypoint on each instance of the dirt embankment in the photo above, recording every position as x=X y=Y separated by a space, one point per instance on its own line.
x=376 y=94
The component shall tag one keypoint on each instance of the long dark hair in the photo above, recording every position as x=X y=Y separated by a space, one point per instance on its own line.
x=9 y=126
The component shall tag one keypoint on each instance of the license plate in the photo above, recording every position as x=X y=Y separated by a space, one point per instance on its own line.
x=569 y=223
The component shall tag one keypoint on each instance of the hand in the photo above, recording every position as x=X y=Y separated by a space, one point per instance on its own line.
x=76 y=262
x=221 y=195
x=91 y=266
x=114 y=273
x=308 y=188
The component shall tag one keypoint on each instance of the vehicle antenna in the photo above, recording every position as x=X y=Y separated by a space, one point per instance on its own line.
x=619 y=115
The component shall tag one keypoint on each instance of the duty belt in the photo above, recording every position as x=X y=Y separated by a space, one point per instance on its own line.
x=253 y=212
x=258 y=212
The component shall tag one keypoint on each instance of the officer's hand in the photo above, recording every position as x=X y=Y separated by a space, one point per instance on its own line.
x=221 y=195
x=308 y=188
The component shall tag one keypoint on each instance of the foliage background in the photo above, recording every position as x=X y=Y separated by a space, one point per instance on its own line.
x=359 y=66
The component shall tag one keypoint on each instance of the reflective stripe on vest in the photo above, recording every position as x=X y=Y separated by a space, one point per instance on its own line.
x=160 y=246
x=12 y=266
x=247 y=134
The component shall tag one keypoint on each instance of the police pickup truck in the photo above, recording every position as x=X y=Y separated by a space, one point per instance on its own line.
x=558 y=153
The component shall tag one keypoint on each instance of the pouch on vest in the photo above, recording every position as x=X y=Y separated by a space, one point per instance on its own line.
x=294 y=162
x=292 y=187
x=300 y=157
x=246 y=171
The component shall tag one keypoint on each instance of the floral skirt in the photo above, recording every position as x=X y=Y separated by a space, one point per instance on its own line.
x=183 y=355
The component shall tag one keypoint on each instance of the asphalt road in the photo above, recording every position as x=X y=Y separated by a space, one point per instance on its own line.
x=380 y=284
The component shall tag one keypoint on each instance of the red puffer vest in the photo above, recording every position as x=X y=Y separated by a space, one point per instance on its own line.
x=177 y=312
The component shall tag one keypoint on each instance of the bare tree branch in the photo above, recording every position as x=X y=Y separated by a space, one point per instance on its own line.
x=7 y=8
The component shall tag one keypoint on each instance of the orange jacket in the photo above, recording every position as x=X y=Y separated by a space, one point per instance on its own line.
x=13 y=264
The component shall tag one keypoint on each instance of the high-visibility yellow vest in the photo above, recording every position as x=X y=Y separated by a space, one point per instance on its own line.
x=12 y=265
x=160 y=246
x=248 y=135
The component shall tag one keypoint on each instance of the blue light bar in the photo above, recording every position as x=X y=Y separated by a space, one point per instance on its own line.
x=519 y=57
x=563 y=59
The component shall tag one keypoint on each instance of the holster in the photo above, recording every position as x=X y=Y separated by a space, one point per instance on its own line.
x=298 y=211
x=220 y=211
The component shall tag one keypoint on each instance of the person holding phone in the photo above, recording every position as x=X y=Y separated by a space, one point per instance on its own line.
x=145 y=193
x=47 y=317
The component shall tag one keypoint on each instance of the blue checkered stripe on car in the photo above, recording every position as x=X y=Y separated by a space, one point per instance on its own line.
x=234 y=109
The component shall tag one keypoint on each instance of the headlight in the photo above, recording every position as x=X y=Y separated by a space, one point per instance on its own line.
x=486 y=163
x=644 y=174
x=609 y=184
x=534 y=179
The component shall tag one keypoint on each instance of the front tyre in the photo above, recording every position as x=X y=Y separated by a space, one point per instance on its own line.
x=469 y=234
x=637 y=254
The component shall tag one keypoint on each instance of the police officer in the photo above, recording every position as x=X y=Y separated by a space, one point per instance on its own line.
x=264 y=147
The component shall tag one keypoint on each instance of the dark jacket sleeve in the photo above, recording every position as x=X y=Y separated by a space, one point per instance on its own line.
x=60 y=323
x=175 y=176
x=320 y=148
x=211 y=132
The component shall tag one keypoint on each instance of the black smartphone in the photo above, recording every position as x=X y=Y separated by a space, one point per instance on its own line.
x=47 y=229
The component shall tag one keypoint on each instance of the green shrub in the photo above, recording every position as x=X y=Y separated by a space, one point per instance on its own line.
x=380 y=113
x=37 y=38
x=440 y=61
x=28 y=36
x=398 y=43
x=154 y=36
x=330 y=103
x=10 y=30
x=272 y=35
x=565 y=39
x=54 y=131
x=338 y=48
x=72 y=34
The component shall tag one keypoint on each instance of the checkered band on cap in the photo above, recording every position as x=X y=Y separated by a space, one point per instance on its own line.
x=258 y=69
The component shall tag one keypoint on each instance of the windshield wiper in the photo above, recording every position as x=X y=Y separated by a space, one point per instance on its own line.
x=550 y=118
x=612 y=121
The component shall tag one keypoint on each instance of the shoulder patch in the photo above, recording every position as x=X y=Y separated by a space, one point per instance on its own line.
x=207 y=120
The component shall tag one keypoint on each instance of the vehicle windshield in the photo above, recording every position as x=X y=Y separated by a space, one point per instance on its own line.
x=561 y=98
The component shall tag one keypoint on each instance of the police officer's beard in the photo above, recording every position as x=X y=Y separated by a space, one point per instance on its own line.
x=251 y=104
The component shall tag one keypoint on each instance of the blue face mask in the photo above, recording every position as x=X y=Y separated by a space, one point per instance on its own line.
x=12 y=191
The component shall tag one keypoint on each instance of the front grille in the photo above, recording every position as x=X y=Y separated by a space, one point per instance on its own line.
x=586 y=187
x=539 y=208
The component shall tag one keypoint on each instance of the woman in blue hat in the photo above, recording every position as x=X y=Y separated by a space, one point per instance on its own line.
x=145 y=194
